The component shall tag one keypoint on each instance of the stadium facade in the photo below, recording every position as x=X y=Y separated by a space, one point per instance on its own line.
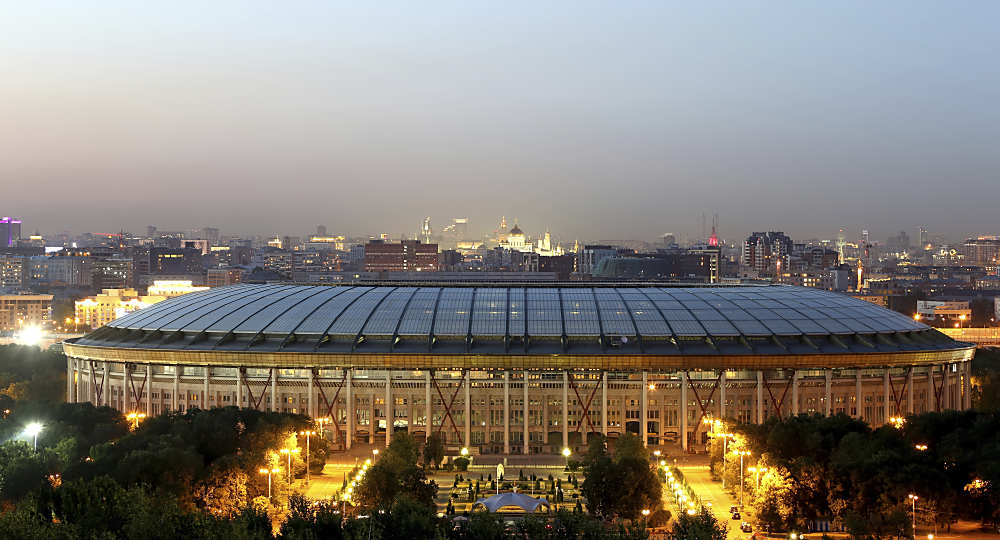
x=521 y=368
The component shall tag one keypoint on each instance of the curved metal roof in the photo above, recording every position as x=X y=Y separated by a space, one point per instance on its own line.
x=526 y=320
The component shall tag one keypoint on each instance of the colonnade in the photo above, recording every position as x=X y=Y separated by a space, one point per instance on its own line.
x=483 y=409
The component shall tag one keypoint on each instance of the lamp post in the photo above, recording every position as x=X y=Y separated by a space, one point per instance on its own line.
x=268 y=473
x=742 y=453
x=289 y=452
x=645 y=514
x=135 y=418
x=307 y=433
x=33 y=429
x=913 y=500
x=566 y=452
x=756 y=473
x=321 y=421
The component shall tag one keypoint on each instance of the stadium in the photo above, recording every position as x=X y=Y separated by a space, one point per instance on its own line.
x=521 y=368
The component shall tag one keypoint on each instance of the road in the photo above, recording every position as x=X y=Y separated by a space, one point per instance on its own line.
x=700 y=480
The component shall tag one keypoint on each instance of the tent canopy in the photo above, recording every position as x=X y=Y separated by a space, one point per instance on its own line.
x=520 y=500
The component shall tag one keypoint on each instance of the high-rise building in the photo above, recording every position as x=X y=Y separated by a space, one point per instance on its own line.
x=10 y=231
x=982 y=250
x=406 y=256
x=20 y=310
x=112 y=273
x=765 y=251
x=924 y=239
x=14 y=271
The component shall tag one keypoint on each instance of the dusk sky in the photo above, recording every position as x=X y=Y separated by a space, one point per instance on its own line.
x=598 y=120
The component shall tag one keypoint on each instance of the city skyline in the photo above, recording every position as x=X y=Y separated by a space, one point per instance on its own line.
x=569 y=116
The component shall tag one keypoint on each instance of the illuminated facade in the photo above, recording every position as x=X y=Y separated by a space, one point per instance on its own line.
x=172 y=288
x=20 y=310
x=521 y=369
x=97 y=311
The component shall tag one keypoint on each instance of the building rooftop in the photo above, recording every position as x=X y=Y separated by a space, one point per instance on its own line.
x=520 y=320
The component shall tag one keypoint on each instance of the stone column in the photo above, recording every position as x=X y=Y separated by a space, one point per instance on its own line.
x=886 y=409
x=204 y=390
x=506 y=412
x=239 y=388
x=309 y=400
x=274 y=389
x=858 y=402
x=351 y=411
x=149 y=390
x=604 y=404
x=468 y=408
x=525 y=449
x=760 y=397
x=126 y=376
x=967 y=385
x=909 y=390
x=684 y=410
x=70 y=398
x=175 y=402
x=565 y=409
x=795 y=392
x=429 y=423
x=931 y=401
x=945 y=390
x=643 y=427
x=105 y=390
x=390 y=407
x=828 y=379
x=722 y=394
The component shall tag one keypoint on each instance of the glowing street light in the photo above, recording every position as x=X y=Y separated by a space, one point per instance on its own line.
x=756 y=472
x=897 y=421
x=268 y=473
x=307 y=433
x=290 y=451
x=30 y=335
x=920 y=447
x=741 y=454
x=645 y=514
x=913 y=499
x=32 y=430
x=135 y=418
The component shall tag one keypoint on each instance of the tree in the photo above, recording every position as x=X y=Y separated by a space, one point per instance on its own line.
x=394 y=476
x=700 y=526
x=433 y=450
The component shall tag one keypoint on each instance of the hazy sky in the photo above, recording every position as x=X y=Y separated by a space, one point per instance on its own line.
x=596 y=119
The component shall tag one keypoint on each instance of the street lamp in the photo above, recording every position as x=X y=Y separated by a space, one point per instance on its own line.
x=756 y=473
x=645 y=514
x=321 y=421
x=268 y=473
x=742 y=453
x=913 y=499
x=32 y=430
x=290 y=451
x=920 y=447
x=897 y=421
x=566 y=452
x=135 y=418
x=307 y=433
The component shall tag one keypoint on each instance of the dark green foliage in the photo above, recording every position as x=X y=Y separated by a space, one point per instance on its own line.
x=28 y=373
x=701 y=526
x=396 y=476
x=620 y=486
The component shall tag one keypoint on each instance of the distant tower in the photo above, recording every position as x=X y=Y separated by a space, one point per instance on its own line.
x=321 y=230
x=924 y=240
x=841 y=243
x=425 y=231
x=714 y=239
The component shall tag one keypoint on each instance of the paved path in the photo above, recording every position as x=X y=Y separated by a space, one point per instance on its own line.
x=700 y=479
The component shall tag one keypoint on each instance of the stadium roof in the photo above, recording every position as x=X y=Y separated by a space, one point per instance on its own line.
x=517 y=320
